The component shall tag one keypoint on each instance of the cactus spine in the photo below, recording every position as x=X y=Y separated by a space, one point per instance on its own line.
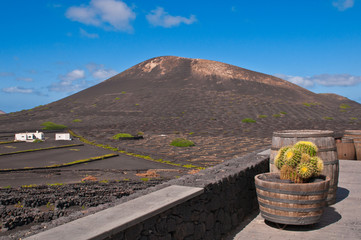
x=306 y=147
x=279 y=159
x=299 y=162
x=305 y=170
x=292 y=157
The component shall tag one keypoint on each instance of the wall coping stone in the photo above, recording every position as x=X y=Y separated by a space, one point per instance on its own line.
x=105 y=223
x=265 y=152
x=202 y=179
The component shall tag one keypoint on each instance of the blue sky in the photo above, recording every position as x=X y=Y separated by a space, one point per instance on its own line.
x=50 y=49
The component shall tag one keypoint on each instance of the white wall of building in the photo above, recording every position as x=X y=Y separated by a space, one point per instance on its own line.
x=29 y=136
x=63 y=136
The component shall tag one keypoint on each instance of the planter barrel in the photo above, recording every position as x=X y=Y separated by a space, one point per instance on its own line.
x=355 y=135
x=327 y=151
x=346 y=149
x=291 y=203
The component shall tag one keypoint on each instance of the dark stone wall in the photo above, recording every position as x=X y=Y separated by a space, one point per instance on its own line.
x=229 y=196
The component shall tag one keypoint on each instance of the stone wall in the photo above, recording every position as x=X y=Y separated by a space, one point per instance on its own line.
x=229 y=195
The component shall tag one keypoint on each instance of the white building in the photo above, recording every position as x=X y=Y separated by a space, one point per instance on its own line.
x=63 y=136
x=29 y=136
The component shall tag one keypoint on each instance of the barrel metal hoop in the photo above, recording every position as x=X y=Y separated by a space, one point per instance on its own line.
x=331 y=162
x=301 y=202
x=286 y=209
x=327 y=149
x=290 y=220
x=301 y=135
x=334 y=162
x=291 y=192
x=319 y=150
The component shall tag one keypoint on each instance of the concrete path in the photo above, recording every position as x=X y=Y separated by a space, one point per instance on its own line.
x=340 y=221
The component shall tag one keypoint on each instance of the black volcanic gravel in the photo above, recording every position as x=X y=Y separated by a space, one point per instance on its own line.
x=35 y=205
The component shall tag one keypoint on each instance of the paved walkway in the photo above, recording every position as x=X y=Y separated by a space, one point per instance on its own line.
x=340 y=221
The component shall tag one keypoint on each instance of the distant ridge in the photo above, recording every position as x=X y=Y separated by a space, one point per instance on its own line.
x=175 y=94
x=2 y=112
x=226 y=110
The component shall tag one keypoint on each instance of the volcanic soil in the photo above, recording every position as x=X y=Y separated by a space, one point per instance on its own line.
x=227 y=111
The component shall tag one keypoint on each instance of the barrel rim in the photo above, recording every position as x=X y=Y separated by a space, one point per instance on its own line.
x=291 y=220
x=257 y=178
x=303 y=133
x=357 y=131
x=330 y=149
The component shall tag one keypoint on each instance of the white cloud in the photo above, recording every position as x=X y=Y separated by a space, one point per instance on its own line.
x=69 y=82
x=24 y=79
x=103 y=73
x=86 y=15
x=88 y=35
x=54 y=5
x=109 y=14
x=301 y=81
x=98 y=71
x=73 y=75
x=7 y=74
x=337 y=79
x=328 y=80
x=159 y=17
x=18 y=90
x=342 y=5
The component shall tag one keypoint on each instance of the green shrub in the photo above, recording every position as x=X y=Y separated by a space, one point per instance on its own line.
x=117 y=98
x=276 y=115
x=248 y=120
x=181 y=142
x=122 y=135
x=38 y=141
x=328 y=118
x=52 y=126
x=284 y=113
x=344 y=106
x=55 y=184
x=77 y=120
x=310 y=104
x=262 y=116
x=353 y=118
x=29 y=186
x=190 y=166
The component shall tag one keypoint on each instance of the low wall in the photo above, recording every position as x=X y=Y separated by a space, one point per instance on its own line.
x=228 y=196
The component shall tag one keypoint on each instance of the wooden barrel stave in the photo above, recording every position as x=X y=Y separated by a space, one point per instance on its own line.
x=357 y=143
x=325 y=142
x=346 y=149
x=291 y=203
x=355 y=135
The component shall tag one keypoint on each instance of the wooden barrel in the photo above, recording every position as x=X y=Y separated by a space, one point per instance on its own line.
x=357 y=143
x=346 y=149
x=356 y=136
x=327 y=151
x=291 y=203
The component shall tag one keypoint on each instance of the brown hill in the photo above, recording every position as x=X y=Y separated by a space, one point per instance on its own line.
x=2 y=112
x=202 y=100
